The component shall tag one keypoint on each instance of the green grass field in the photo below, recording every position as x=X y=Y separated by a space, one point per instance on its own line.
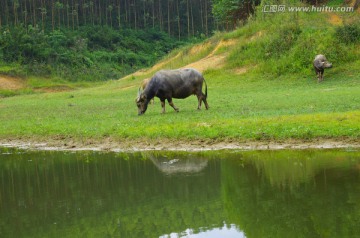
x=277 y=98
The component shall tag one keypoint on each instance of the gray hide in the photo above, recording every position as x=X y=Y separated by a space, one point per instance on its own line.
x=169 y=84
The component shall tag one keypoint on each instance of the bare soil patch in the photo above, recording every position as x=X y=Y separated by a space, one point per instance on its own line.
x=211 y=61
x=241 y=70
x=335 y=19
x=11 y=83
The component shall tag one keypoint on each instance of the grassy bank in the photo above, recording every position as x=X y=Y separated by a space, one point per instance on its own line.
x=257 y=93
x=241 y=108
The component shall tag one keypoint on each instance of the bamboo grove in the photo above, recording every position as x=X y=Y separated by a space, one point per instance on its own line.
x=179 y=18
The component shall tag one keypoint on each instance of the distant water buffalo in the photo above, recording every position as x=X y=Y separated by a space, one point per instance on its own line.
x=169 y=84
x=320 y=63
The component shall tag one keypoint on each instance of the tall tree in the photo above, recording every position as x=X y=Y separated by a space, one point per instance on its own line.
x=178 y=19
x=59 y=6
x=119 y=13
x=188 y=16
x=168 y=17
x=160 y=16
x=43 y=14
x=52 y=14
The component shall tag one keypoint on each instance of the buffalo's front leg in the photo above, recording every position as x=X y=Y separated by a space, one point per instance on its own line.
x=320 y=76
x=163 y=106
x=172 y=105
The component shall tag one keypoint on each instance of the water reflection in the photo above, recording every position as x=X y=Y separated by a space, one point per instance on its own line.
x=178 y=164
x=224 y=232
x=261 y=194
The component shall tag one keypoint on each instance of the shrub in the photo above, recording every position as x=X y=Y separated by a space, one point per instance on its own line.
x=348 y=33
x=285 y=39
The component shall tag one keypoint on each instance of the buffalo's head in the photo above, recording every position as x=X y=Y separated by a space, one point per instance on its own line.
x=320 y=62
x=327 y=64
x=141 y=103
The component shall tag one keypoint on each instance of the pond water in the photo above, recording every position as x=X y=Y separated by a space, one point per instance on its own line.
x=252 y=194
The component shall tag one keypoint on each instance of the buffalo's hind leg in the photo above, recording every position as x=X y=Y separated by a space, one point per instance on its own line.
x=199 y=102
x=202 y=98
x=205 y=102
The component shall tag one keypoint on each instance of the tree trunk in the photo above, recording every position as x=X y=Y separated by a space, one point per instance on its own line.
x=160 y=16
x=72 y=15
x=119 y=13
x=168 y=15
x=91 y=5
x=153 y=13
x=135 y=15
x=178 y=19
x=53 y=15
x=99 y=22
x=16 y=17
x=77 y=15
x=206 y=19
x=144 y=13
x=84 y=13
x=43 y=15
x=192 y=20
x=34 y=12
x=188 y=17
x=67 y=14
x=201 y=16
x=126 y=12
x=106 y=14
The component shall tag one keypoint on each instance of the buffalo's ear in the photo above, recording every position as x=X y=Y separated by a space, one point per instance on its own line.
x=143 y=97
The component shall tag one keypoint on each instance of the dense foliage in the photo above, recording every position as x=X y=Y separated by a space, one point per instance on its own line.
x=348 y=33
x=90 y=53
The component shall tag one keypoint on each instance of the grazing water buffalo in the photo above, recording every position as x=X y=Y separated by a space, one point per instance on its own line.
x=320 y=63
x=169 y=84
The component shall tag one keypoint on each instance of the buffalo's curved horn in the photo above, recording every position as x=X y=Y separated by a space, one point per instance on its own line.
x=139 y=92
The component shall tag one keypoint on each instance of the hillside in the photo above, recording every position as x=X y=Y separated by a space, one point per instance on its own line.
x=285 y=44
x=262 y=93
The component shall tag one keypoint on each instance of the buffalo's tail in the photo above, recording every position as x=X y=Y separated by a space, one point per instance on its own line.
x=205 y=89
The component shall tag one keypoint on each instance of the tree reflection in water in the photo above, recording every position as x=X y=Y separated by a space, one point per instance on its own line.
x=312 y=193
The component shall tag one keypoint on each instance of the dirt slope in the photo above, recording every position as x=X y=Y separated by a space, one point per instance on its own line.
x=11 y=83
